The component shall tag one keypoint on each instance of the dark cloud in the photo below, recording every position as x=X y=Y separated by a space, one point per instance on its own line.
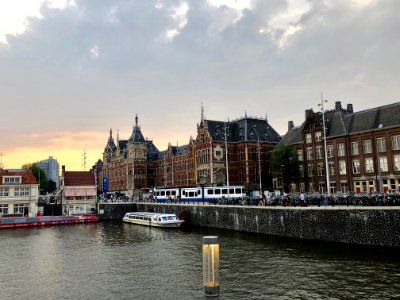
x=97 y=64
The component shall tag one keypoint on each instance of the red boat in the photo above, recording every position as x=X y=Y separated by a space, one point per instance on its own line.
x=15 y=222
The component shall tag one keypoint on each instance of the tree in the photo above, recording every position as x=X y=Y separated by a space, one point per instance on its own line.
x=284 y=161
x=52 y=186
x=39 y=174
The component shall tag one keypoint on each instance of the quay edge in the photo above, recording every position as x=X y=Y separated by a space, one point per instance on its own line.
x=373 y=226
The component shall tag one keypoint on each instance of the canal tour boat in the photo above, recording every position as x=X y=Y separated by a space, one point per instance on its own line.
x=153 y=219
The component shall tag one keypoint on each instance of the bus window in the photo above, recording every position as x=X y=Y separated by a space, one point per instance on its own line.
x=217 y=192
x=238 y=191
x=231 y=191
x=210 y=192
x=224 y=191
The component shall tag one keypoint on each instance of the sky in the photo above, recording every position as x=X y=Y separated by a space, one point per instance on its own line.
x=72 y=69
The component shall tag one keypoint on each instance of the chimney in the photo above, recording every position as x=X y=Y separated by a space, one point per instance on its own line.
x=350 y=108
x=63 y=171
x=338 y=106
x=290 y=125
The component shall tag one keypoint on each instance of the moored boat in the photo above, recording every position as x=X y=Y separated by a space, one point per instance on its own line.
x=153 y=219
x=15 y=222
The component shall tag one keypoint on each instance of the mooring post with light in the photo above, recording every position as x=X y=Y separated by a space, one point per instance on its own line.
x=211 y=266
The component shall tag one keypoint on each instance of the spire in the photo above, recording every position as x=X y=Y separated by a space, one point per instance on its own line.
x=136 y=120
x=110 y=133
x=202 y=113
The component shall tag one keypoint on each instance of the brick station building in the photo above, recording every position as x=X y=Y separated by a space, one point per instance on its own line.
x=363 y=150
x=131 y=166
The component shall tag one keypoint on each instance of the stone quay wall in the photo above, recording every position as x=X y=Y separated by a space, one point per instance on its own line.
x=375 y=226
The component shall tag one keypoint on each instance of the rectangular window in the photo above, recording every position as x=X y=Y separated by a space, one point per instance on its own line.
x=19 y=208
x=3 y=209
x=342 y=167
x=240 y=155
x=11 y=179
x=308 y=138
x=309 y=154
x=396 y=142
x=341 y=149
x=383 y=164
x=321 y=186
x=356 y=166
x=369 y=165
x=254 y=154
x=320 y=170
x=354 y=148
x=330 y=151
x=343 y=187
x=300 y=155
x=367 y=146
x=318 y=136
x=319 y=152
x=301 y=170
x=331 y=166
x=21 y=191
x=4 y=192
x=396 y=160
x=310 y=170
x=381 y=144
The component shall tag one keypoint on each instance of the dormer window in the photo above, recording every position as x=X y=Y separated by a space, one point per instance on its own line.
x=12 y=180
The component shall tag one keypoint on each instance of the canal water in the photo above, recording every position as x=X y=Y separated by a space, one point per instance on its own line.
x=112 y=260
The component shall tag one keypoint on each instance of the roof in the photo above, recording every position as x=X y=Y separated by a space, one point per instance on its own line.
x=245 y=129
x=78 y=178
x=343 y=121
x=26 y=175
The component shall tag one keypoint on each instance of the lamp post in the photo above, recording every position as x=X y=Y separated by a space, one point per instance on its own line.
x=211 y=266
x=328 y=189
x=226 y=161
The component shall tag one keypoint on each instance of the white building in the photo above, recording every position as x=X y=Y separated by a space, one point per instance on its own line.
x=19 y=192
x=79 y=192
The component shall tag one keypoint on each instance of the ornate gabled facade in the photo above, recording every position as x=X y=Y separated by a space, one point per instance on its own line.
x=363 y=150
x=133 y=165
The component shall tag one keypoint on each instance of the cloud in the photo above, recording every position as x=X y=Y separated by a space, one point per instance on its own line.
x=92 y=65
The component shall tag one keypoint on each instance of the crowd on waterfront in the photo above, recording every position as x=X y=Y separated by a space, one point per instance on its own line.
x=316 y=199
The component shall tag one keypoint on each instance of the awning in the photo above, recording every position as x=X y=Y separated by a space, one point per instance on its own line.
x=79 y=191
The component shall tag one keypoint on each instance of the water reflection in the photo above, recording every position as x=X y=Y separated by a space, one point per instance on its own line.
x=112 y=260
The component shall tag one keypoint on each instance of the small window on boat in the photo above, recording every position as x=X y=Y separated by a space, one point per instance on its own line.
x=159 y=219
x=224 y=191
x=162 y=193
x=217 y=192
x=238 y=191
x=210 y=192
x=231 y=191
x=173 y=193
x=164 y=218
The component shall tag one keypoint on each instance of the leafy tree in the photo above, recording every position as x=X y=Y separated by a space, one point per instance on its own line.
x=284 y=160
x=39 y=174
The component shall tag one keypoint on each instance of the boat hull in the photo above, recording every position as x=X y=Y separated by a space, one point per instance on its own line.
x=17 y=222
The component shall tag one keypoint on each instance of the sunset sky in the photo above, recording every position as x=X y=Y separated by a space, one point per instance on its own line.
x=71 y=70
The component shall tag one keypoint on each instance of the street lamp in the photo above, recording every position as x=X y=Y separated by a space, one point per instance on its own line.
x=328 y=190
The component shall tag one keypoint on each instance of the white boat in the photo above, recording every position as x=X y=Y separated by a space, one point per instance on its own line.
x=153 y=219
